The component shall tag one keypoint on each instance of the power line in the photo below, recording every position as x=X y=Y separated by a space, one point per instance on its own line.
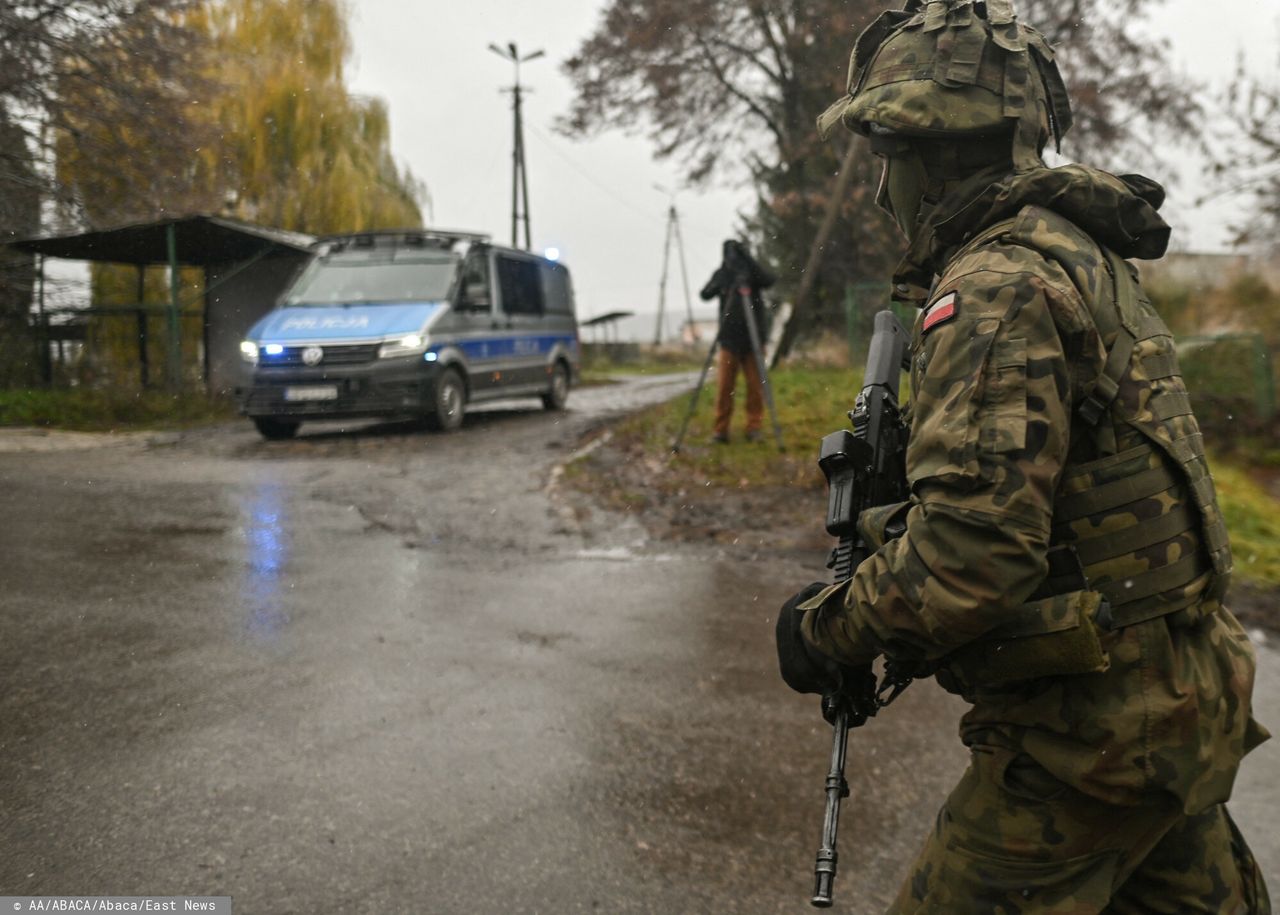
x=702 y=231
x=585 y=174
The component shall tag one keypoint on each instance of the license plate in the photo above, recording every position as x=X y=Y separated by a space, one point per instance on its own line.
x=314 y=392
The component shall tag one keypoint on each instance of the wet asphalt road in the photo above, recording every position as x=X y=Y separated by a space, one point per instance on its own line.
x=388 y=671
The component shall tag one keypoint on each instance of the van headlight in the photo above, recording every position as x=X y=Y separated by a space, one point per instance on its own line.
x=408 y=345
x=249 y=351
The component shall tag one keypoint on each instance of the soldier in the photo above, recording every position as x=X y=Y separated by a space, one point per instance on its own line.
x=1062 y=561
x=738 y=281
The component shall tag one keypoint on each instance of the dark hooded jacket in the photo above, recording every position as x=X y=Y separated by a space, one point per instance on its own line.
x=738 y=271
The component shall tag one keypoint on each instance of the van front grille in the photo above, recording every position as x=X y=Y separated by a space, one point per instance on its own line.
x=339 y=354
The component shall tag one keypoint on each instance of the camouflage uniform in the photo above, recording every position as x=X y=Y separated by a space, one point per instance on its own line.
x=1063 y=562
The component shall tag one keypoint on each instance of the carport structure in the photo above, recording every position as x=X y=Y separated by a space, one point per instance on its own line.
x=246 y=268
x=605 y=322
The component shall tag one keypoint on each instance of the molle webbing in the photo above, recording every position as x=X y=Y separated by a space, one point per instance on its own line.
x=1137 y=537
x=1139 y=389
x=1116 y=495
x=1125 y=506
x=1143 y=524
x=1135 y=323
x=1167 y=420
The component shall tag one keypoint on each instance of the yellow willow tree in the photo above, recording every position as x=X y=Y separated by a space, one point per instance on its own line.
x=297 y=150
x=256 y=122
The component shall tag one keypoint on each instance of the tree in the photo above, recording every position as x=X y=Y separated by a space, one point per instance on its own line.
x=297 y=150
x=19 y=216
x=62 y=73
x=270 y=134
x=105 y=78
x=731 y=91
x=1253 y=168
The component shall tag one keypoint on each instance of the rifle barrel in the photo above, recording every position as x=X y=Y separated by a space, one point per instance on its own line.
x=824 y=868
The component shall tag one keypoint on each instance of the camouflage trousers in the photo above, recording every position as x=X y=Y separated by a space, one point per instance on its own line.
x=1013 y=840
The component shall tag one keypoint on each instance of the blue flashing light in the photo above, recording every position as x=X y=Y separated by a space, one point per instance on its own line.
x=552 y=254
x=273 y=349
x=431 y=356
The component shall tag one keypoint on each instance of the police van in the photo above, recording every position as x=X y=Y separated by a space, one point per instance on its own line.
x=414 y=323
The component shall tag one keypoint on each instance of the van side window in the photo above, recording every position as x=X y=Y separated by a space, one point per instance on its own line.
x=475 y=283
x=521 y=286
x=555 y=287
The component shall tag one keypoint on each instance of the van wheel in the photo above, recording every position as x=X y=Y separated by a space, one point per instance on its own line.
x=450 y=402
x=275 y=429
x=558 y=393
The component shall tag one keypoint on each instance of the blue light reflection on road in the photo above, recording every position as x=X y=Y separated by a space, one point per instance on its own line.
x=267 y=547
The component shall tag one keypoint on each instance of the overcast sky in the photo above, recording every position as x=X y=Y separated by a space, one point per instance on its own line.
x=596 y=201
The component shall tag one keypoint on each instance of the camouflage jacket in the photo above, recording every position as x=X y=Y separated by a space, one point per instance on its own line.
x=1010 y=342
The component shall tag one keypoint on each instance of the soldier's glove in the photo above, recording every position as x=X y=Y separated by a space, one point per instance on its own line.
x=805 y=669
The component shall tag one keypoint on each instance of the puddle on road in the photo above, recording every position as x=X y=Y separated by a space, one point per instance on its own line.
x=623 y=554
x=268 y=545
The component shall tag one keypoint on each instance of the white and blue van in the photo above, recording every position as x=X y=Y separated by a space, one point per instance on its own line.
x=411 y=323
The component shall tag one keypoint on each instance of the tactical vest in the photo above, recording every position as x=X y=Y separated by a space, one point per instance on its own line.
x=1137 y=533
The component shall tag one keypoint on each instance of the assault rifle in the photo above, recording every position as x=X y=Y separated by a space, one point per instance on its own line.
x=864 y=468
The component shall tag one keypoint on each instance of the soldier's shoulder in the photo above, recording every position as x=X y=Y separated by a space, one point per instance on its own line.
x=1035 y=242
x=1036 y=250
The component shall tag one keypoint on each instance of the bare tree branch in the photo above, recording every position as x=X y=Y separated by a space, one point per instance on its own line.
x=753 y=105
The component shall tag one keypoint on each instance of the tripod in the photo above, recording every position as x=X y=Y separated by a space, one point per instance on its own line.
x=757 y=354
x=673 y=231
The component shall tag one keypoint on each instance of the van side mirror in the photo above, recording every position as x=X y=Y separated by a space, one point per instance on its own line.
x=475 y=297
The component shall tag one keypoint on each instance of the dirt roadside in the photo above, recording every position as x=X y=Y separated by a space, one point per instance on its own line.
x=675 y=506
x=617 y=474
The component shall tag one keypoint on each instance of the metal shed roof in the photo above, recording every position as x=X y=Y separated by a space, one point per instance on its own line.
x=606 y=318
x=202 y=240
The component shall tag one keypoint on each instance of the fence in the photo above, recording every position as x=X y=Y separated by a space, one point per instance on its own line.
x=124 y=347
x=862 y=301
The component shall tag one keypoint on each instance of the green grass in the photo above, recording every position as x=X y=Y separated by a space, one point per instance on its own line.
x=1253 y=520
x=100 y=410
x=813 y=402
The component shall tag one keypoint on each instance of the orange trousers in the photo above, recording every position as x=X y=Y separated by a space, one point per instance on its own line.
x=727 y=366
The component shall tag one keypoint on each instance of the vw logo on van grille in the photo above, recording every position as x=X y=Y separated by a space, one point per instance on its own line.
x=312 y=355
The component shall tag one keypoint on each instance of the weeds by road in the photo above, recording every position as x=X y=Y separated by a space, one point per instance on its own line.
x=743 y=493
x=94 y=410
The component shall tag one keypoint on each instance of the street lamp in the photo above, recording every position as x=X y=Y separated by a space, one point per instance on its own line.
x=519 y=175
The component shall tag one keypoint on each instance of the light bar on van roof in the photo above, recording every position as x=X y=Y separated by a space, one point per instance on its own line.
x=418 y=238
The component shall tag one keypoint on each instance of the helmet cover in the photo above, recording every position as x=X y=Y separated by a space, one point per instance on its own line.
x=953 y=68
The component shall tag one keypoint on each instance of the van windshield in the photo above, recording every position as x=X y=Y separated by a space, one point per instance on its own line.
x=345 y=280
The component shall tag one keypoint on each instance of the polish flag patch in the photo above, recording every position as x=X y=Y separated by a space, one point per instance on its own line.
x=942 y=310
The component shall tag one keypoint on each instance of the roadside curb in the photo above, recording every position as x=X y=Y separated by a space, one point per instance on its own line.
x=36 y=440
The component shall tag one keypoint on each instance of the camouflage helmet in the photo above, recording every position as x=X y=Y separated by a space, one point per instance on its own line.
x=946 y=69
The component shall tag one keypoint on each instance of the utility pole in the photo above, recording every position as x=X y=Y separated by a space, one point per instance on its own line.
x=673 y=232
x=519 y=175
